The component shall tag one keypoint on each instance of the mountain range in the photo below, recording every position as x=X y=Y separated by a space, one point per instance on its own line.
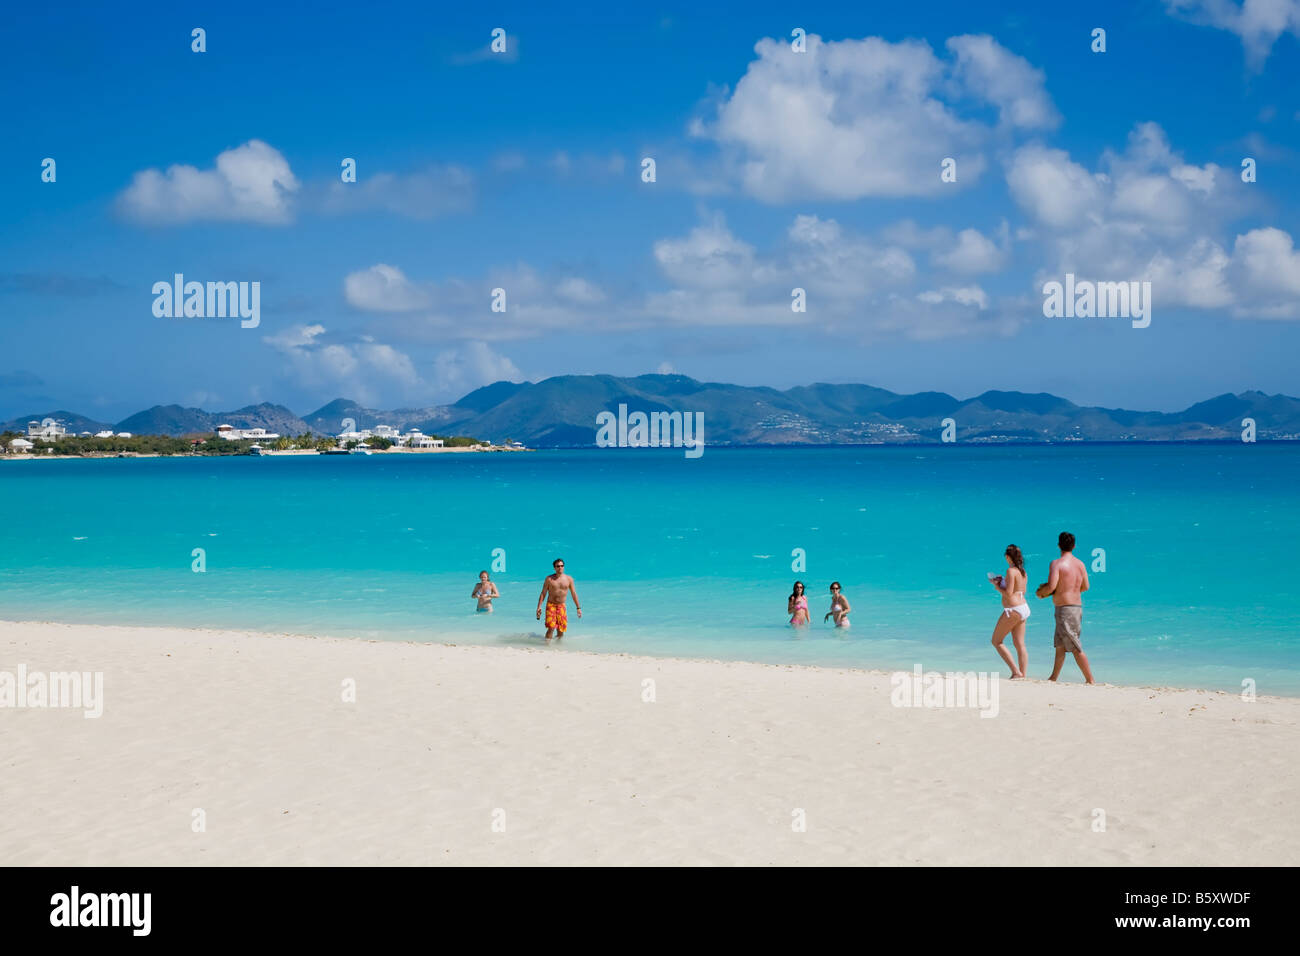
x=561 y=412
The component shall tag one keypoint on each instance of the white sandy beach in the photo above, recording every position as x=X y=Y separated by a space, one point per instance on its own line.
x=562 y=748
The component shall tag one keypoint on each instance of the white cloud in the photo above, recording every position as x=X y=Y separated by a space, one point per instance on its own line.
x=458 y=308
x=461 y=370
x=909 y=235
x=1148 y=189
x=254 y=183
x=1196 y=178
x=296 y=336
x=1151 y=216
x=855 y=118
x=1007 y=81
x=384 y=288
x=1266 y=267
x=1195 y=276
x=974 y=253
x=583 y=166
x=720 y=307
x=824 y=258
x=424 y=194
x=853 y=283
x=363 y=370
x=819 y=256
x=945 y=314
x=708 y=257
x=251 y=183
x=580 y=291
x=1050 y=187
x=966 y=295
x=1258 y=23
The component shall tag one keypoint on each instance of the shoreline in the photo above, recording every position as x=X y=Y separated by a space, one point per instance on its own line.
x=223 y=748
x=716 y=446
x=541 y=645
x=267 y=453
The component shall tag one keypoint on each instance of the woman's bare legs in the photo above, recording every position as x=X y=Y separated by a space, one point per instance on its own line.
x=1006 y=622
x=1018 y=638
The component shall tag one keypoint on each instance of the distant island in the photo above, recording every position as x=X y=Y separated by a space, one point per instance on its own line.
x=561 y=412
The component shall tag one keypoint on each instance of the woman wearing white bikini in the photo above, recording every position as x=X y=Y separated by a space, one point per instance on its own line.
x=839 y=606
x=1014 y=611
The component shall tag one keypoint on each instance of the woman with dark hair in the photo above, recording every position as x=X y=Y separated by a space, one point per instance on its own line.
x=839 y=606
x=1015 y=612
x=797 y=606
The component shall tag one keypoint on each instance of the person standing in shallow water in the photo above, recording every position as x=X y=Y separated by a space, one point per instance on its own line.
x=797 y=606
x=1015 y=611
x=839 y=606
x=486 y=592
x=1066 y=582
x=556 y=589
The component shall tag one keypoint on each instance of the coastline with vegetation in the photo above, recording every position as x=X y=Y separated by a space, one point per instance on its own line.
x=159 y=446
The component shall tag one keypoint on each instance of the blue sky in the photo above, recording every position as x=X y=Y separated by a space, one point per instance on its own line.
x=775 y=170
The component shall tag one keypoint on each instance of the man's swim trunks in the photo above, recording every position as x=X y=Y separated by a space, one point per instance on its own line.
x=557 y=617
x=1069 y=622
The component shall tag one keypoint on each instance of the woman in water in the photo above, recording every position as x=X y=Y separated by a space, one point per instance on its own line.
x=839 y=606
x=797 y=606
x=1014 y=611
x=486 y=592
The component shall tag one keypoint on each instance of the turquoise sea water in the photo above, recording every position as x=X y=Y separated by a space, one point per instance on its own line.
x=688 y=557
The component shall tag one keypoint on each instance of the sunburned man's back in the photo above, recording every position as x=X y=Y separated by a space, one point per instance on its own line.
x=1071 y=580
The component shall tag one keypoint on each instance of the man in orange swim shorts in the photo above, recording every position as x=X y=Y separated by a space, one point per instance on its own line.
x=556 y=589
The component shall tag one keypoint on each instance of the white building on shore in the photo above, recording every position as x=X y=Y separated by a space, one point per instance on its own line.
x=417 y=439
x=235 y=434
x=48 y=430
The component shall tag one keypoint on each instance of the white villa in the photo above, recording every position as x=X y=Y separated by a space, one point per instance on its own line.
x=417 y=439
x=48 y=430
x=412 y=439
x=234 y=434
x=107 y=433
x=20 y=446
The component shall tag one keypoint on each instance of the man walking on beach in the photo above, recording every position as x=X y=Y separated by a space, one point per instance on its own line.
x=556 y=589
x=1066 y=583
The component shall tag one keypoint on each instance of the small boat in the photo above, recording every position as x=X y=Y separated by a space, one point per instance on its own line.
x=360 y=450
